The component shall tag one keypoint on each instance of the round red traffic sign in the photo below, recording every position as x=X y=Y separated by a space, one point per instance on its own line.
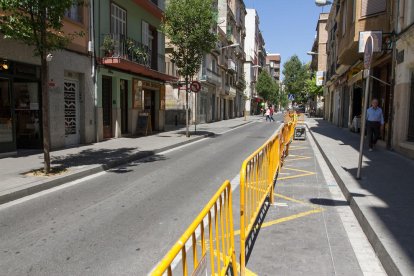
x=195 y=86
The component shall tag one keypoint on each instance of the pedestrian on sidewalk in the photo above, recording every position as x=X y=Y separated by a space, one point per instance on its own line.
x=375 y=123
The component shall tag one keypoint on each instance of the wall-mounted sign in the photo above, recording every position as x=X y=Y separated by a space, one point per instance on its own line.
x=320 y=78
x=376 y=37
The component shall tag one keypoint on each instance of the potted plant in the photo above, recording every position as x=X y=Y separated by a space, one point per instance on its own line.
x=141 y=55
x=130 y=46
x=108 y=46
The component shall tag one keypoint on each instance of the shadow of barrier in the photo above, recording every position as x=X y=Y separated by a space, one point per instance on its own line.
x=211 y=235
x=212 y=241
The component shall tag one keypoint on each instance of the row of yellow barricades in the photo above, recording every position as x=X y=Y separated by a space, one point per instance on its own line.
x=211 y=235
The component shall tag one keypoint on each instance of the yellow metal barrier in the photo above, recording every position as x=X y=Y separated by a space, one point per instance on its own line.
x=257 y=178
x=218 y=241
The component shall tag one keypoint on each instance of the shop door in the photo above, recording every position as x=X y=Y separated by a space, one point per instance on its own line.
x=213 y=108
x=107 y=107
x=124 y=106
x=149 y=106
x=6 y=119
x=71 y=98
x=28 y=115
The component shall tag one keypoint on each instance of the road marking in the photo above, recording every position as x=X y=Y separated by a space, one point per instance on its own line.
x=51 y=190
x=298 y=158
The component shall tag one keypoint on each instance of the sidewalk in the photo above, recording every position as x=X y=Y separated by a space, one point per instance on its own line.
x=85 y=160
x=382 y=201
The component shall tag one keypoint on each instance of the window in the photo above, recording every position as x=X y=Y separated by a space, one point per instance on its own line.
x=145 y=34
x=75 y=13
x=370 y=7
x=214 y=65
x=118 y=20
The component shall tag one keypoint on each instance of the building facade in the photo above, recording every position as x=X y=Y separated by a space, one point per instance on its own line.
x=130 y=66
x=70 y=91
x=318 y=64
x=255 y=58
x=344 y=81
x=403 y=120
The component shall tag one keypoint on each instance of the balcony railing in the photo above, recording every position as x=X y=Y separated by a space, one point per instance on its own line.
x=210 y=76
x=120 y=46
x=232 y=91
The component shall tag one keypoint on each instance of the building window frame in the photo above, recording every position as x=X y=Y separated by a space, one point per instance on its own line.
x=118 y=19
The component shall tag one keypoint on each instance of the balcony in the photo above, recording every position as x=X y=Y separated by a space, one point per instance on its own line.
x=154 y=7
x=211 y=77
x=240 y=53
x=232 y=91
x=231 y=65
x=127 y=54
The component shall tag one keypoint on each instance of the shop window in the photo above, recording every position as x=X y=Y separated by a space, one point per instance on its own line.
x=411 y=115
x=6 y=126
x=27 y=109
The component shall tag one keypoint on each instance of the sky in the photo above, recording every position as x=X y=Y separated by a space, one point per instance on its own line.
x=288 y=26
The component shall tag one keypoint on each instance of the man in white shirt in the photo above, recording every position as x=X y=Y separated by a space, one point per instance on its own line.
x=375 y=123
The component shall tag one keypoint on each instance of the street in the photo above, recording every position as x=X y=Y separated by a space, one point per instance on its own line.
x=122 y=221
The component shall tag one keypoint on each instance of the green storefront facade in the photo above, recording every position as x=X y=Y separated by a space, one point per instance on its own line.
x=130 y=66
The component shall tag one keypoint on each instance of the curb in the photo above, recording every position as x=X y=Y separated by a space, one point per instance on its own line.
x=45 y=185
x=341 y=178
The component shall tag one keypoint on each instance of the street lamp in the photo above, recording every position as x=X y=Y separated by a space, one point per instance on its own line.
x=321 y=3
x=230 y=46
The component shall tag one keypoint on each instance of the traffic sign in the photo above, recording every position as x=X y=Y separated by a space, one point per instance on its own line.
x=195 y=86
x=291 y=97
x=369 y=50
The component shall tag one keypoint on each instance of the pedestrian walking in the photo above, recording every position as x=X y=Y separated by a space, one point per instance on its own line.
x=272 y=111
x=375 y=123
x=268 y=114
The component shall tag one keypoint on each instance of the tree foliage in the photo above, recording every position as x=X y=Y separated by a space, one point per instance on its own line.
x=36 y=23
x=311 y=88
x=296 y=73
x=267 y=87
x=188 y=26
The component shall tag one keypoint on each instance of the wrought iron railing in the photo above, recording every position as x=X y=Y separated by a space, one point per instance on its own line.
x=121 y=46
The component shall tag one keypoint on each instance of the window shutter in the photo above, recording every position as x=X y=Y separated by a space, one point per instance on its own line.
x=145 y=29
x=369 y=7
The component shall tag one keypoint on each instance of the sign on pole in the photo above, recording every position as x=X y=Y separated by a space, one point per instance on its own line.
x=291 y=97
x=369 y=51
x=195 y=86
x=376 y=40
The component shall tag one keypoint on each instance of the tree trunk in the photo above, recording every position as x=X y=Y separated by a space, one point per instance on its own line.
x=45 y=114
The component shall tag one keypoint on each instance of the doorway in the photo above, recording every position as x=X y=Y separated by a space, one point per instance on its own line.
x=124 y=106
x=357 y=102
x=107 y=107
x=71 y=99
x=28 y=114
x=6 y=117
x=149 y=105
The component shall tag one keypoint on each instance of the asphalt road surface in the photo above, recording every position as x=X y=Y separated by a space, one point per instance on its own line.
x=123 y=221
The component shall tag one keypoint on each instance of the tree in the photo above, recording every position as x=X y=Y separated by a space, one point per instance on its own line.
x=295 y=73
x=311 y=89
x=188 y=25
x=38 y=23
x=266 y=86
